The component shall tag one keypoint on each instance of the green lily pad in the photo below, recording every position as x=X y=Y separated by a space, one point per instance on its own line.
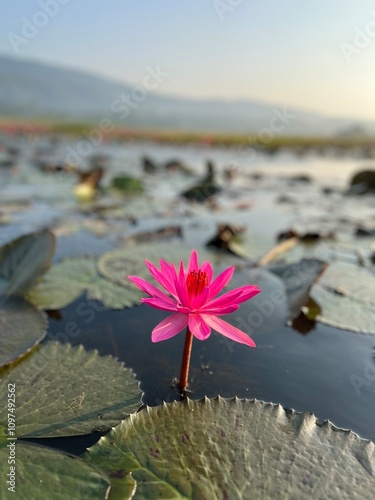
x=113 y=296
x=66 y=281
x=355 y=282
x=64 y=391
x=117 y=265
x=44 y=473
x=63 y=283
x=233 y=449
x=25 y=259
x=126 y=184
x=346 y=293
x=21 y=328
x=343 y=312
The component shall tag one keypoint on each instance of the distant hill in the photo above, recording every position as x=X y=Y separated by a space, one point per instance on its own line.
x=34 y=90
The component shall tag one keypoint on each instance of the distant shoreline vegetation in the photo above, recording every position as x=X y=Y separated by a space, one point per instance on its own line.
x=271 y=146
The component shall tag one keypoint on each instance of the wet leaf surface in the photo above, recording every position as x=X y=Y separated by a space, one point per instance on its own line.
x=328 y=371
x=233 y=449
x=44 y=473
x=22 y=327
x=67 y=280
x=117 y=265
x=65 y=391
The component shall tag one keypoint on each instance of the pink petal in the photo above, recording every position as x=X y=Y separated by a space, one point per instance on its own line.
x=227 y=330
x=235 y=296
x=207 y=268
x=198 y=327
x=193 y=263
x=181 y=273
x=183 y=309
x=169 y=327
x=182 y=292
x=200 y=299
x=160 y=278
x=148 y=288
x=219 y=311
x=221 y=281
x=226 y=299
x=249 y=293
x=160 y=304
x=169 y=272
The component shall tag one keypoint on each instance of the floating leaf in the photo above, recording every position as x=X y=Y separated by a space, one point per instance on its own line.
x=25 y=259
x=347 y=295
x=127 y=184
x=117 y=265
x=64 y=391
x=233 y=449
x=355 y=282
x=66 y=281
x=21 y=328
x=44 y=473
x=344 y=312
x=113 y=296
x=63 y=283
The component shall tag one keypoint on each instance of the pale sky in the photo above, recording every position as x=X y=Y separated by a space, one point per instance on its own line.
x=316 y=55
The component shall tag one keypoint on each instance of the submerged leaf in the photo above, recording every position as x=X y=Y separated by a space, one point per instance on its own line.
x=21 y=328
x=233 y=449
x=64 y=391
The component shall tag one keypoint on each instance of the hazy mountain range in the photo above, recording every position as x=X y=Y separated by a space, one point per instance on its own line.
x=34 y=90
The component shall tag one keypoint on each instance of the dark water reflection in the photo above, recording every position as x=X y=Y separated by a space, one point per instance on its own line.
x=308 y=373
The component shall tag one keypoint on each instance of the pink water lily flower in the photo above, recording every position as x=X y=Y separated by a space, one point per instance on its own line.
x=192 y=300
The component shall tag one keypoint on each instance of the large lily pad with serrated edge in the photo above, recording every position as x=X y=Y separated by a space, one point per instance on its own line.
x=44 y=473
x=233 y=449
x=66 y=281
x=21 y=328
x=64 y=391
x=25 y=259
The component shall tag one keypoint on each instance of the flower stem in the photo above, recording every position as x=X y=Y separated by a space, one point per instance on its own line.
x=185 y=363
